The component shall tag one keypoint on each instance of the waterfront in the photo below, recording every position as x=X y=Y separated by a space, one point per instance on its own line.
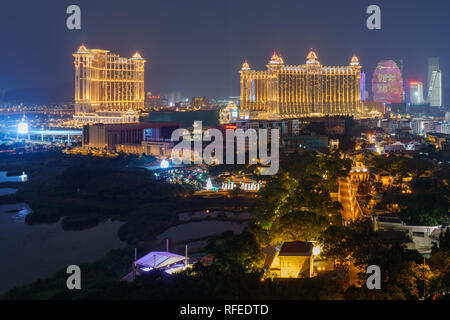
x=32 y=252
x=29 y=253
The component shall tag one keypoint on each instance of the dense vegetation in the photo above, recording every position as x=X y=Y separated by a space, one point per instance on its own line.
x=295 y=205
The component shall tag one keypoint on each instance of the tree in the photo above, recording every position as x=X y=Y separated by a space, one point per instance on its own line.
x=298 y=226
x=366 y=246
x=236 y=252
x=412 y=279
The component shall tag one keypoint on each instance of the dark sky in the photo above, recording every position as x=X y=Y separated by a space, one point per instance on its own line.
x=197 y=46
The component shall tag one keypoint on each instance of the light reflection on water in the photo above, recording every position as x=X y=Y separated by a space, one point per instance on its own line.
x=4 y=178
x=32 y=252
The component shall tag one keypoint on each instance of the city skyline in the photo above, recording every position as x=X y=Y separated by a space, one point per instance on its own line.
x=193 y=152
x=200 y=53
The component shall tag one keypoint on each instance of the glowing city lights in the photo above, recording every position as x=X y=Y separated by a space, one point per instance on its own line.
x=23 y=128
x=164 y=164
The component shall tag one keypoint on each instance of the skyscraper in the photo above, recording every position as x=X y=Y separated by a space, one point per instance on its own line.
x=399 y=63
x=416 y=93
x=299 y=90
x=108 y=88
x=387 y=83
x=434 y=83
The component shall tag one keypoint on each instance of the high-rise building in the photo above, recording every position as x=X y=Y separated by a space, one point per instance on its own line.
x=387 y=83
x=416 y=93
x=433 y=65
x=363 y=86
x=434 y=83
x=108 y=88
x=300 y=90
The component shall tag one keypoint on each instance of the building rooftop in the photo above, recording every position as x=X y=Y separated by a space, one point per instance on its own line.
x=297 y=248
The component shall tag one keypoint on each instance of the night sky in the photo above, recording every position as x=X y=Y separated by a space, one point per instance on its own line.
x=197 y=46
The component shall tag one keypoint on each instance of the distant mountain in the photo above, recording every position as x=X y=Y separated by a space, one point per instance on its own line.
x=49 y=95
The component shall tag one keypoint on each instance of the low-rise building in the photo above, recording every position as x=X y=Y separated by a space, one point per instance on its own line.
x=294 y=260
x=382 y=176
x=151 y=138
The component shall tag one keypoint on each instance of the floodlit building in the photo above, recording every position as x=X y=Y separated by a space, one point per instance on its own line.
x=290 y=91
x=387 y=83
x=150 y=138
x=108 y=88
x=294 y=260
x=416 y=93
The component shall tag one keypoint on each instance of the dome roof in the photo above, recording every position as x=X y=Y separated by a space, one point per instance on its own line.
x=312 y=57
x=82 y=48
x=276 y=59
x=354 y=61
x=137 y=55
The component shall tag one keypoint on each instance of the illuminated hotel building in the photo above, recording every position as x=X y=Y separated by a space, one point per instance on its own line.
x=108 y=88
x=297 y=91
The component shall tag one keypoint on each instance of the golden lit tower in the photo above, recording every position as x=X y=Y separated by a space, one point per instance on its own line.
x=107 y=86
x=302 y=90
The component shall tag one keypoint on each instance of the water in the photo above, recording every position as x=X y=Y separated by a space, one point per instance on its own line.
x=5 y=178
x=200 y=229
x=186 y=216
x=29 y=253
x=6 y=191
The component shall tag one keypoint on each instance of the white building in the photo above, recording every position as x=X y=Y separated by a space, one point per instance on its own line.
x=416 y=93
x=434 y=83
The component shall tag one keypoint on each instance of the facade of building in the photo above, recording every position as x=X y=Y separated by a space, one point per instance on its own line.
x=435 y=89
x=294 y=260
x=200 y=102
x=434 y=82
x=416 y=93
x=109 y=136
x=106 y=82
x=154 y=101
x=297 y=91
x=387 y=83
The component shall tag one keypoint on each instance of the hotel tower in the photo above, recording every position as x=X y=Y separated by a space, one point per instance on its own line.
x=108 y=88
x=297 y=91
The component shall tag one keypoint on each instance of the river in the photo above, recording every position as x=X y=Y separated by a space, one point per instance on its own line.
x=32 y=252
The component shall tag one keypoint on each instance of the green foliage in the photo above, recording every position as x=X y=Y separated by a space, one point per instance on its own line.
x=413 y=279
x=238 y=253
x=399 y=165
x=298 y=226
x=424 y=209
x=296 y=203
x=367 y=247
x=444 y=240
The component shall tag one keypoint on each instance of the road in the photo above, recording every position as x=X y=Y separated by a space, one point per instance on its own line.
x=352 y=210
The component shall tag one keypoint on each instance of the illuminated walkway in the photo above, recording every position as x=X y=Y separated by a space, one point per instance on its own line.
x=352 y=211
